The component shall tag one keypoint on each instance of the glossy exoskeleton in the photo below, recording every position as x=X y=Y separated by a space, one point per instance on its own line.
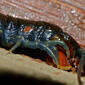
x=15 y=32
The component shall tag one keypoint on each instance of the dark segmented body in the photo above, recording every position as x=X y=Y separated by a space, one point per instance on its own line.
x=41 y=31
x=41 y=35
x=10 y=33
x=38 y=32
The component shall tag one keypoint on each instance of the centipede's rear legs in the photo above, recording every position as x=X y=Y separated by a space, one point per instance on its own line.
x=50 y=52
x=50 y=48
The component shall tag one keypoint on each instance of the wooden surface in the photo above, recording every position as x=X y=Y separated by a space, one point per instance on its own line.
x=14 y=67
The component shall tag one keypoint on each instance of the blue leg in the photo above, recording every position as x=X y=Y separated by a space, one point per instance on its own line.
x=24 y=43
x=48 y=46
x=18 y=43
x=41 y=45
x=1 y=32
x=30 y=44
x=62 y=61
x=55 y=51
x=50 y=52
x=61 y=43
x=15 y=46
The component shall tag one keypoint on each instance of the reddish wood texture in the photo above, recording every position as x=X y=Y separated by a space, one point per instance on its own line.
x=68 y=14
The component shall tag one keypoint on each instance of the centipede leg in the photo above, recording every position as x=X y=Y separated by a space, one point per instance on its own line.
x=61 y=43
x=42 y=46
x=55 y=51
x=49 y=51
x=1 y=32
x=81 y=64
x=15 y=46
x=62 y=60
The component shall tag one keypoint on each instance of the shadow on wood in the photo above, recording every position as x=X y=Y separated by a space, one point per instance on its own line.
x=14 y=78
